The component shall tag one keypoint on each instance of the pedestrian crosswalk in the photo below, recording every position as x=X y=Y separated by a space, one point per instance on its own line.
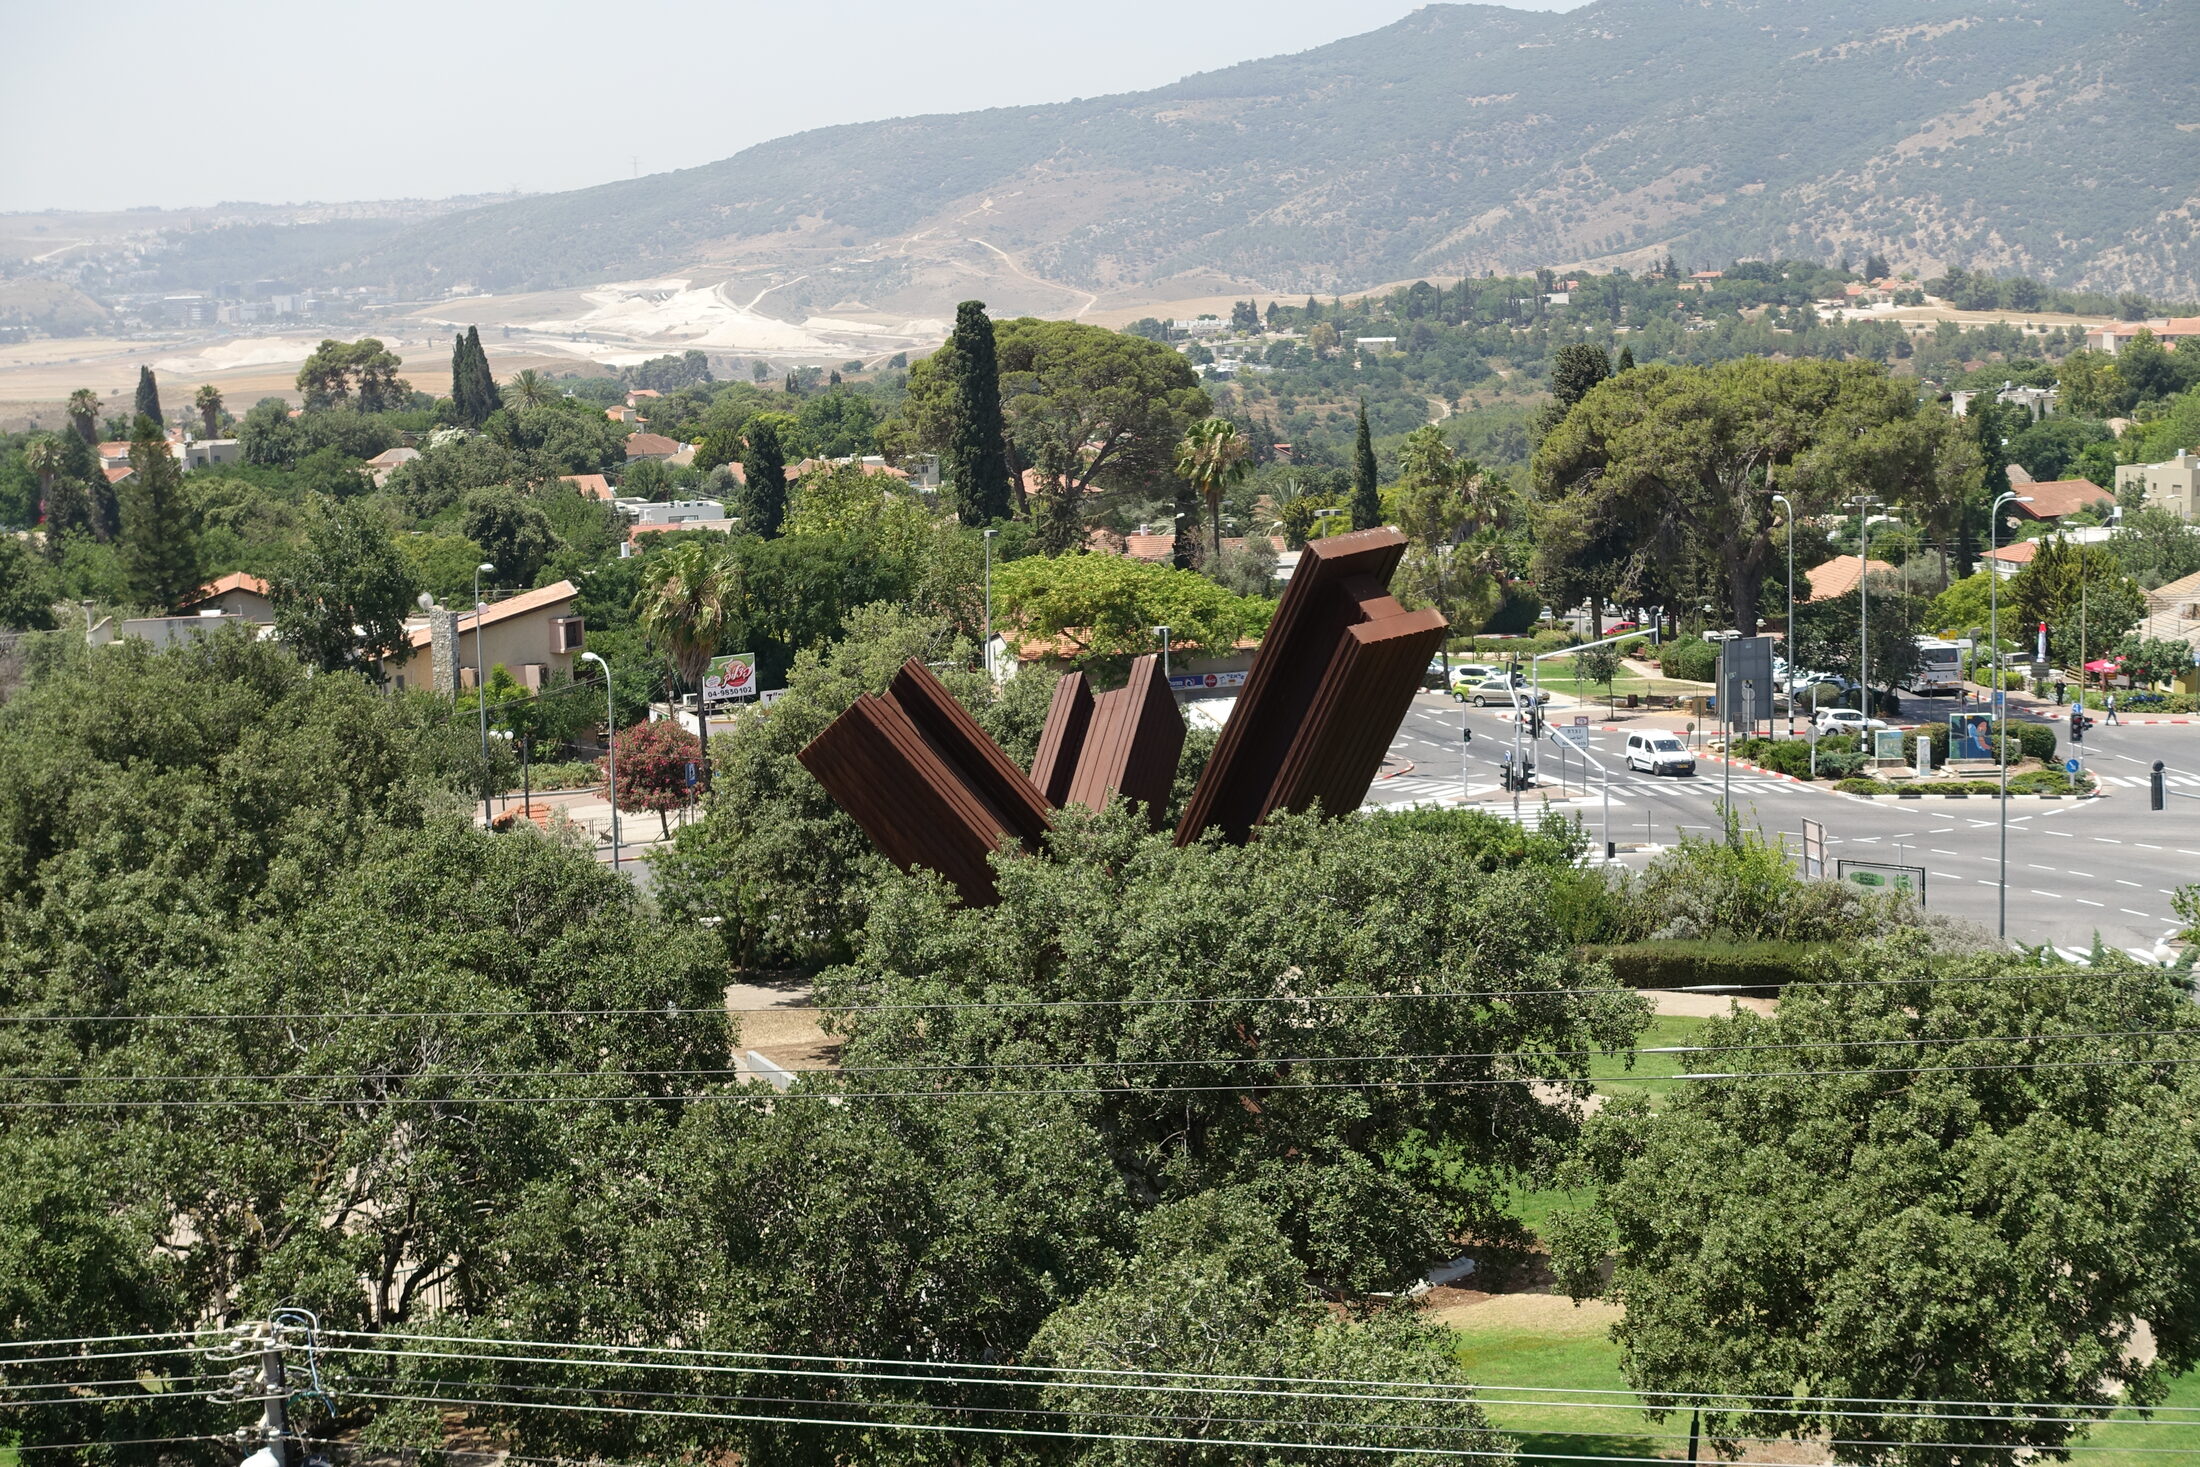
x=2141 y=781
x=1414 y=789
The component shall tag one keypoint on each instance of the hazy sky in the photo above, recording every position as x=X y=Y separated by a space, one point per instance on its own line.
x=252 y=100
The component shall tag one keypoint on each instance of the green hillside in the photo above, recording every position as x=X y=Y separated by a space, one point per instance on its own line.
x=2043 y=136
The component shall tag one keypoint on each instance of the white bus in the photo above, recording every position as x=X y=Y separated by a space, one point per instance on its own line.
x=1939 y=666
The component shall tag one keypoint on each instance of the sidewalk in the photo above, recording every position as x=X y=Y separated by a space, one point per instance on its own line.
x=589 y=811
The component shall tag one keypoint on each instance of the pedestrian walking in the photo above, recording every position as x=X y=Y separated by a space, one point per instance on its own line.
x=2059 y=686
x=2111 y=709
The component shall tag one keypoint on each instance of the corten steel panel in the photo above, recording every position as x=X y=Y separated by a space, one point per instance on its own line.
x=878 y=767
x=955 y=736
x=1340 y=583
x=1062 y=739
x=1362 y=700
x=1132 y=748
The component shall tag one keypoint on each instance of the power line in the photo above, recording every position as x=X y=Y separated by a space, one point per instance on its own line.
x=1025 y=1431
x=683 y=1352
x=171 y=1334
x=2096 y=975
x=973 y=1408
x=1051 y=1066
x=1448 y=1393
x=751 y=1094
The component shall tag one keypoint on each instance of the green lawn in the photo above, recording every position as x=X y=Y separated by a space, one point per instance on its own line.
x=1613 y=1075
x=1621 y=687
x=1567 y=1348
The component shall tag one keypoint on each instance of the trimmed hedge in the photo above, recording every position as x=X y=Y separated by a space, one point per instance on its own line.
x=1686 y=964
x=569 y=775
x=2048 y=782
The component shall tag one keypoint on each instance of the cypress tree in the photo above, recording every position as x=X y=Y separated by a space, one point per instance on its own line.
x=764 y=466
x=462 y=381
x=1367 y=504
x=160 y=533
x=976 y=462
x=1626 y=361
x=487 y=399
x=148 y=396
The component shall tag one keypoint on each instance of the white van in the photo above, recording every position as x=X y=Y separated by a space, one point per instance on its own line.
x=1659 y=753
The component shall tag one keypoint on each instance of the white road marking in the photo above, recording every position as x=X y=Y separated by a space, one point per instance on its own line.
x=2055 y=894
x=2081 y=901
x=2130 y=913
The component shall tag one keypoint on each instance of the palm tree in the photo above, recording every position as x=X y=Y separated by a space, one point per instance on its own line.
x=42 y=456
x=84 y=406
x=1213 y=457
x=689 y=595
x=209 y=403
x=529 y=389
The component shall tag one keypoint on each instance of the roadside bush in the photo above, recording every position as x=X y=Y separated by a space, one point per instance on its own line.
x=1785 y=756
x=1838 y=763
x=1864 y=787
x=2048 y=782
x=2037 y=740
x=1685 y=963
x=569 y=775
x=1689 y=659
x=2158 y=702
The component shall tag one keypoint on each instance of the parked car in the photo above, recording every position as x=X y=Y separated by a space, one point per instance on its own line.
x=1846 y=720
x=1503 y=691
x=1653 y=752
x=1465 y=675
x=1433 y=680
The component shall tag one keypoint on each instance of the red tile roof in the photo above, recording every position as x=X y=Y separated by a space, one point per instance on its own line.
x=595 y=486
x=234 y=581
x=2058 y=497
x=2020 y=553
x=1837 y=577
x=116 y=473
x=505 y=610
x=651 y=445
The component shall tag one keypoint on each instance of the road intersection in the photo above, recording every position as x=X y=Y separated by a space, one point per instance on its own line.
x=2077 y=869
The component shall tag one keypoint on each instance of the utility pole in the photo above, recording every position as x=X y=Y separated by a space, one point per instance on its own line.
x=274 y=1397
x=989 y=534
x=1863 y=503
x=481 y=688
x=1790 y=648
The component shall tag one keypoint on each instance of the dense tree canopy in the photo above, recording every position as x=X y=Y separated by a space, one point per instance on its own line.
x=1932 y=1219
x=1675 y=456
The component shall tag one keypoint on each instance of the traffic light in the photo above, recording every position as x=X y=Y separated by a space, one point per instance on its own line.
x=2079 y=723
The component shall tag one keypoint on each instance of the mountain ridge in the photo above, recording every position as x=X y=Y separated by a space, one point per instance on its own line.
x=2040 y=136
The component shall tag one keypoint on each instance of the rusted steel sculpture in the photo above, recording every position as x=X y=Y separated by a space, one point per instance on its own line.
x=1333 y=680
x=925 y=783
x=1131 y=743
x=1328 y=689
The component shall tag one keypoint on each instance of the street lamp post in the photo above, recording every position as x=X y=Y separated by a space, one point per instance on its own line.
x=1789 y=505
x=1863 y=503
x=481 y=688
x=989 y=534
x=1162 y=634
x=2001 y=697
x=611 y=753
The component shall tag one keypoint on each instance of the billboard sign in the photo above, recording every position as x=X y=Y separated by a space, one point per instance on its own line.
x=1201 y=682
x=1879 y=876
x=1887 y=745
x=1745 y=678
x=1971 y=736
x=730 y=678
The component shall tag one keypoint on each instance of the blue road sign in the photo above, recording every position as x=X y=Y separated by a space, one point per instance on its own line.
x=2070 y=766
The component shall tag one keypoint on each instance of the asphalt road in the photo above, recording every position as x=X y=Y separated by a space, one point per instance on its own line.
x=2076 y=868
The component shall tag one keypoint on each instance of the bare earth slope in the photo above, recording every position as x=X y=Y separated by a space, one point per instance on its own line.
x=2056 y=137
